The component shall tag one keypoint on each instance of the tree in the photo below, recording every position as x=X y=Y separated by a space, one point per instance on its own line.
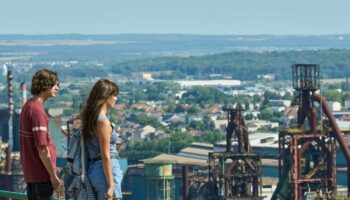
x=197 y=125
x=271 y=95
x=139 y=95
x=194 y=109
x=266 y=114
x=171 y=106
x=210 y=137
x=333 y=95
x=114 y=118
x=179 y=141
x=249 y=116
x=208 y=123
x=256 y=98
x=179 y=108
x=204 y=96
x=288 y=96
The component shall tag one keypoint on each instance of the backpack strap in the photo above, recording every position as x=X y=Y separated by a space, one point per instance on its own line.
x=82 y=157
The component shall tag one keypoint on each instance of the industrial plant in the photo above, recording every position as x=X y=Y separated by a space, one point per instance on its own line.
x=300 y=162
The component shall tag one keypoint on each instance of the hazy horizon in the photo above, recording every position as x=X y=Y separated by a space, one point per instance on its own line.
x=194 y=17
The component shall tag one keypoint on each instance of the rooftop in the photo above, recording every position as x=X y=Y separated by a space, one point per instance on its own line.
x=176 y=159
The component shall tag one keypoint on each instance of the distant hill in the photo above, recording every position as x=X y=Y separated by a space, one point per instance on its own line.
x=334 y=63
x=122 y=47
x=178 y=56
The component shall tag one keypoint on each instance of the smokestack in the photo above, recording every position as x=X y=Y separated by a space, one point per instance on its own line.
x=24 y=93
x=11 y=108
x=8 y=164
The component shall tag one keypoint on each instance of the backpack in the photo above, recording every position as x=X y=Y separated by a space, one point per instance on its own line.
x=74 y=159
x=80 y=188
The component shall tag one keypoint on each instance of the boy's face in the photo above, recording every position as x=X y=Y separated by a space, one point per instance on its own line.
x=52 y=91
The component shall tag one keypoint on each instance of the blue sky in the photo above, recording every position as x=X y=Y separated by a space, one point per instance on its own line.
x=221 y=17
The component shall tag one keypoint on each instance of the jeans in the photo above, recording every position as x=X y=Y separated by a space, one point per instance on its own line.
x=98 y=178
x=39 y=191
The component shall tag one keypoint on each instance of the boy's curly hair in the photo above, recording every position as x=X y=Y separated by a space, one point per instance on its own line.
x=42 y=80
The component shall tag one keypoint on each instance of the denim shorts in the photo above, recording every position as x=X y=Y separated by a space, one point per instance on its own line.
x=98 y=179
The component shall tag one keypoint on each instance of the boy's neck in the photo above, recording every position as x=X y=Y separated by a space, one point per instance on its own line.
x=40 y=98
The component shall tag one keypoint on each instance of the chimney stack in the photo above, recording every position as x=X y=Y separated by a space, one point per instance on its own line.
x=11 y=107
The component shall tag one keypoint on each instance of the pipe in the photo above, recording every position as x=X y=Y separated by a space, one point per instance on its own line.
x=228 y=178
x=8 y=169
x=185 y=185
x=336 y=131
x=312 y=120
x=304 y=147
x=8 y=164
x=348 y=179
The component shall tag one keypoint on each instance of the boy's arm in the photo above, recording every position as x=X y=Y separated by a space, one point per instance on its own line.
x=45 y=158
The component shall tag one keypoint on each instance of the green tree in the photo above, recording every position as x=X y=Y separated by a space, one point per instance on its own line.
x=171 y=106
x=256 y=99
x=114 y=118
x=179 y=141
x=194 y=109
x=288 y=96
x=249 y=116
x=208 y=123
x=266 y=114
x=197 y=125
x=345 y=86
x=210 y=137
x=179 y=108
x=204 y=96
x=332 y=95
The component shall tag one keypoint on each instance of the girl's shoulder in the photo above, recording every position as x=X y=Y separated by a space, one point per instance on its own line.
x=102 y=117
x=103 y=120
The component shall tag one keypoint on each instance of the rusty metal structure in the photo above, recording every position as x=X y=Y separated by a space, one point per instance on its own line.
x=307 y=162
x=11 y=173
x=11 y=108
x=235 y=173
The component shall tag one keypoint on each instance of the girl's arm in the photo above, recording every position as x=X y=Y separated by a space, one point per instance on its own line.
x=104 y=131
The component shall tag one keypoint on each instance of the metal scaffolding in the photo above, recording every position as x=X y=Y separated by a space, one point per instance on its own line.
x=307 y=162
x=235 y=174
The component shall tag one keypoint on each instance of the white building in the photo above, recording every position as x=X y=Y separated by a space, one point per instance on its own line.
x=280 y=102
x=334 y=106
x=147 y=76
x=190 y=83
x=143 y=133
x=220 y=124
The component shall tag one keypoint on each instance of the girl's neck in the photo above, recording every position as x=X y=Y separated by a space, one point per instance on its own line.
x=103 y=110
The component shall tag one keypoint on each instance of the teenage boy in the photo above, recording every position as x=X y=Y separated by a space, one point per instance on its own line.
x=37 y=149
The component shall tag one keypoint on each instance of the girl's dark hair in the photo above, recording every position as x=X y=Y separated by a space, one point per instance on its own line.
x=101 y=91
x=42 y=80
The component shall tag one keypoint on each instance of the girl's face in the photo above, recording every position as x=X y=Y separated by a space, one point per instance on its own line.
x=111 y=101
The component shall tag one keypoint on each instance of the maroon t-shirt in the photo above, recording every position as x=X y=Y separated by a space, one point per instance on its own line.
x=34 y=132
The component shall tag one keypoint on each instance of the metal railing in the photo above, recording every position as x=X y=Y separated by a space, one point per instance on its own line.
x=14 y=195
x=18 y=195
